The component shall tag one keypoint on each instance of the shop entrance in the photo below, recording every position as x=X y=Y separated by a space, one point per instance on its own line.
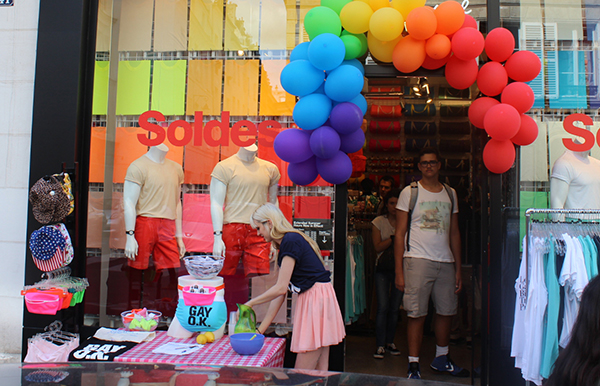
x=404 y=115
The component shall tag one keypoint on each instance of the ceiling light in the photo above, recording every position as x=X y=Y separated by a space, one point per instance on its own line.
x=240 y=53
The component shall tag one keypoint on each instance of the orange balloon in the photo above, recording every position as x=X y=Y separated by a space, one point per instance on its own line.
x=409 y=54
x=450 y=17
x=421 y=23
x=438 y=46
x=377 y=4
x=381 y=51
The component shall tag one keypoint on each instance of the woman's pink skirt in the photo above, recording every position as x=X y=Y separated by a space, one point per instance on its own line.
x=318 y=320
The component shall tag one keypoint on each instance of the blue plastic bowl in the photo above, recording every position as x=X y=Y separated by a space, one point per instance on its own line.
x=243 y=344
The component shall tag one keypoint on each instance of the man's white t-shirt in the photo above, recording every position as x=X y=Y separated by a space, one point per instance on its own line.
x=430 y=225
x=583 y=177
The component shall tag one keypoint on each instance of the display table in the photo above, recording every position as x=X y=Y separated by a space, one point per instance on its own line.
x=217 y=353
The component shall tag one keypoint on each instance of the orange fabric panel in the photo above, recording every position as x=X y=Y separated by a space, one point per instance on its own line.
x=127 y=149
x=242 y=25
x=206 y=25
x=267 y=152
x=286 y=206
x=170 y=25
x=118 y=238
x=313 y=207
x=274 y=100
x=228 y=151
x=175 y=152
x=204 y=86
x=196 y=223
x=240 y=96
x=97 y=154
x=94 y=220
x=199 y=162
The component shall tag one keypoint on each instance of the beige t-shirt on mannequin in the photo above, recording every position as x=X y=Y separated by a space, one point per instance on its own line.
x=159 y=184
x=247 y=186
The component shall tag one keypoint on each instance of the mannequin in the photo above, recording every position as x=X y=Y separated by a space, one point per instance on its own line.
x=239 y=185
x=575 y=181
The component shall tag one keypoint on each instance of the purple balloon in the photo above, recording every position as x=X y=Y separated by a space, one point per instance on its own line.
x=293 y=145
x=325 y=142
x=353 y=142
x=303 y=173
x=346 y=118
x=335 y=170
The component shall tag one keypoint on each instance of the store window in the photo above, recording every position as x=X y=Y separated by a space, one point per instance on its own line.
x=202 y=78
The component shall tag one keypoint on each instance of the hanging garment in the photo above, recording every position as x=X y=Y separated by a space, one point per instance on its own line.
x=550 y=337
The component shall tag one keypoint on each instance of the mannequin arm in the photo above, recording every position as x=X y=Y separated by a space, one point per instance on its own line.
x=179 y=226
x=273 y=195
x=131 y=193
x=559 y=190
x=218 y=191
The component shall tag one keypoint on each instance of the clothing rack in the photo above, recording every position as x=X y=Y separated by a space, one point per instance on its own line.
x=579 y=216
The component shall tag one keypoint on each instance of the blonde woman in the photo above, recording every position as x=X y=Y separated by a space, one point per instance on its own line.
x=318 y=321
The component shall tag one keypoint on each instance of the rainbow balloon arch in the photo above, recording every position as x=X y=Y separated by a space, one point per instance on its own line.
x=328 y=79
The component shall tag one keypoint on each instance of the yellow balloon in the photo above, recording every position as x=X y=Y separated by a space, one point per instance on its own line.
x=382 y=51
x=378 y=4
x=355 y=17
x=405 y=6
x=365 y=1
x=386 y=24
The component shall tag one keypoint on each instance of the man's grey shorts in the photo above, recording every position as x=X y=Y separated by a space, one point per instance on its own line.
x=424 y=278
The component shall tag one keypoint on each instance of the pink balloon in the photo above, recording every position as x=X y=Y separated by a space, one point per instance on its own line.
x=499 y=44
x=523 y=66
x=519 y=95
x=502 y=122
x=467 y=43
x=492 y=78
x=461 y=74
x=479 y=107
x=527 y=133
x=498 y=156
x=433 y=64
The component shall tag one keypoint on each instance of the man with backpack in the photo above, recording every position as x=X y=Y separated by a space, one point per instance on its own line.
x=427 y=252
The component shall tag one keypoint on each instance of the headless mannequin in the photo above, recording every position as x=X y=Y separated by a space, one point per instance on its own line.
x=575 y=181
x=559 y=189
x=131 y=194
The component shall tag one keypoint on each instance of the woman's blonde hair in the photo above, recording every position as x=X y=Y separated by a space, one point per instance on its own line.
x=281 y=225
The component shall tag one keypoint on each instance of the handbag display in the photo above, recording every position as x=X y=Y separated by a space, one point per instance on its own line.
x=420 y=110
x=377 y=145
x=384 y=127
x=386 y=111
x=420 y=128
x=454 y=110
x=455 y=128
x=452 y=93
x=415 y=145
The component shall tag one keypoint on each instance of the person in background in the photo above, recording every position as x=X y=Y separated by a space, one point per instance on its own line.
x=388 y=296
x=428 y=262
x=318 y=321
x=579 y=363
x=386 y=183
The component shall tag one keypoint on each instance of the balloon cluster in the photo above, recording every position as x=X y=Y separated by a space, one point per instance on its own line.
x=325 y=74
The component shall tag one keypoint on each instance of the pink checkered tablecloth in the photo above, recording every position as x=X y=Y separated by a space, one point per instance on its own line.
x=217 y=353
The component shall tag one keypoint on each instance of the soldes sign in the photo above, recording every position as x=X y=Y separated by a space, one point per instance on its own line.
x=588 y=136
x=214 y=133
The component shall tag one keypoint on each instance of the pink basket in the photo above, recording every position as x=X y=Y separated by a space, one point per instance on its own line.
x=197 y=299
x=42 y=303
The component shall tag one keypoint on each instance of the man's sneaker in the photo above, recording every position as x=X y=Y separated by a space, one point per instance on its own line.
x=413 y=370
x=443 y=363
x=392 y=349
x=379 y=353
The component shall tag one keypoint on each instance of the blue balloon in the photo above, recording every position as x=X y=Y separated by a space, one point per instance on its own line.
x=303 y=173
x=361 y=102
x=325 y=142
x=301 y=78
x=353 y=142
x=312 y=111
x=335 y=170
x=356 y=63
x=326 y=51
x=300 y=52
x=293 y=145
x=344 y=83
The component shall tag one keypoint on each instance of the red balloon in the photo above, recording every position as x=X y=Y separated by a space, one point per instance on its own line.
x=492 y=78
x=461 y=74
x=499 y=44
x=467 y=43
x=433 y=64
x=409 y=54
x=527 y=133
x=469 y=22
x=519 y=95
x=498 y=156
x=479 y=107
x=523 y=66
x=502 y=122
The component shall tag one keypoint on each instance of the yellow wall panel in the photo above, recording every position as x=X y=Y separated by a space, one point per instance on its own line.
x=135 y=25
x=242 y=22
x=273 y=22
x=170 y=25
x=240 y=96
x=204 y=87
x=274 y=101
x=292 y=21
x=206 y=25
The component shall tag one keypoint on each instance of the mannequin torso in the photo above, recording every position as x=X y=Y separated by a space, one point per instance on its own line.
x=575 y=181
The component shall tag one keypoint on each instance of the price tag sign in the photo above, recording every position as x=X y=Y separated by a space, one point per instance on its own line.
x=7 y=3
x=320 y=230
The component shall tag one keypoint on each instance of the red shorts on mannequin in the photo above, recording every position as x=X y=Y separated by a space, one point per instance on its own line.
x=242 y=242
x=156 y=237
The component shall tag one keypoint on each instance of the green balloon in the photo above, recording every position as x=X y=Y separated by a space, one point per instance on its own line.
x=321 y=20
x=353 y=46
x=336 y=5
x=363 y=42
